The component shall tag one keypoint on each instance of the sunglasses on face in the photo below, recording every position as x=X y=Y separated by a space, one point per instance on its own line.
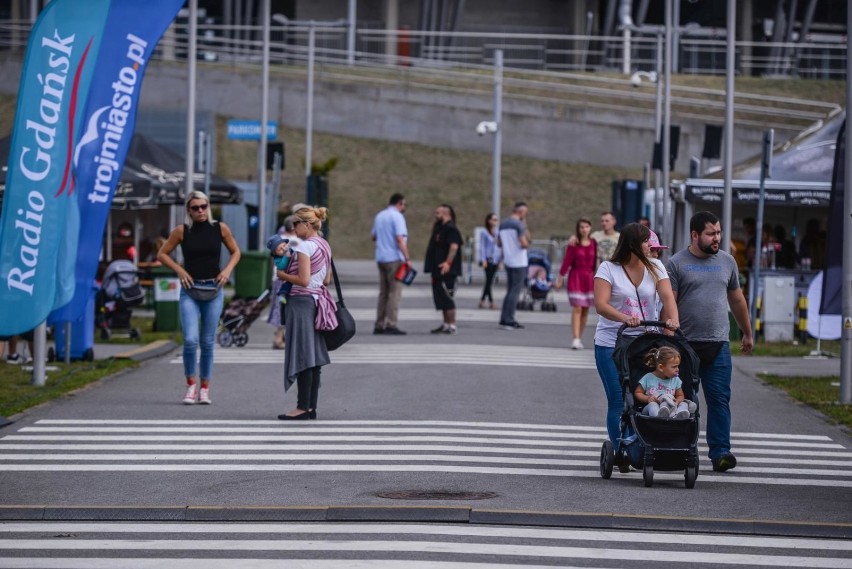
x=201 y=207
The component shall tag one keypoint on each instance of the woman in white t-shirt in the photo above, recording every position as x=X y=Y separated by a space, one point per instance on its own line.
x=626 y=291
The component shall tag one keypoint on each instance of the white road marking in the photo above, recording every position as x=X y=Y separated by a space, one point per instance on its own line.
x=669 y=555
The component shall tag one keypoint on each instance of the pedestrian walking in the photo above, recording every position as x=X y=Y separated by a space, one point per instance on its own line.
x=578 y=264
x=704 y=279
x=443 y=263
x=626 y=288
x=201 y=295
x=513 y=238
x=308 y=306
x=390 y=233
x=606 y=237
x=489 y=258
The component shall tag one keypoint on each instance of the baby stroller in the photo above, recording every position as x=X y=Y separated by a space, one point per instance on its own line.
x=538 y=286
x=653 y=443
x=120 y=290
x=237 y=317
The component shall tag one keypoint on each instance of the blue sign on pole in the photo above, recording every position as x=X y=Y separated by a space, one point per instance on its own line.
x=250 y=130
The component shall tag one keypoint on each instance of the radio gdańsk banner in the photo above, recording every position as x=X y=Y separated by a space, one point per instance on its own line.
x=130 y=35
x=44 y=231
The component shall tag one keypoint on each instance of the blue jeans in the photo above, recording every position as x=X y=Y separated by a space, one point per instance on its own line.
x=612 y=387
x=514 y=285
x=191 y=311
x=716 y=383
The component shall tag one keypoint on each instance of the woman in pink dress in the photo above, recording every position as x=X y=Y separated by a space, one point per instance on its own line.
x=579 y=265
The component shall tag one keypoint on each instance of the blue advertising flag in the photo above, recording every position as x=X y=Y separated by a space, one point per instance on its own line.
x=831 y=289
x=131 y=33
x=39 y=202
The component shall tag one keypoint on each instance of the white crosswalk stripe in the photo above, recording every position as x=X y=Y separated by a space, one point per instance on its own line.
x=413 y=354
x=106 y=445
x=102 y=545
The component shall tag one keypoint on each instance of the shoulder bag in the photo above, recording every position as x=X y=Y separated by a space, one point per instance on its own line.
x=203 y=292
x=345 y=322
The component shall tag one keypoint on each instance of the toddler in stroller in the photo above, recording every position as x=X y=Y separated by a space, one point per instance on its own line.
x=539 y=283
x=120 y=290
x=661 y=442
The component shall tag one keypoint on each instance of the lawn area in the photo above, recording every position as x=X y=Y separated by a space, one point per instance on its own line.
x=821 y=393
x=17 y=392
x=790 y=350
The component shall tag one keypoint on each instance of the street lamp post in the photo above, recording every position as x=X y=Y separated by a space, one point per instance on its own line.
x=498 y=134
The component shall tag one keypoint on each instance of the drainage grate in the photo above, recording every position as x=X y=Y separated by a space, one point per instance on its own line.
x=436 y=495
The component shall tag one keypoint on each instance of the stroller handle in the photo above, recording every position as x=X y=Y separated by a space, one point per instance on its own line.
x=647 y=323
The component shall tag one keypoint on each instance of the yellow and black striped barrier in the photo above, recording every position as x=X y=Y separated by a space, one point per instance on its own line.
x=758 y=323
x=803 y=319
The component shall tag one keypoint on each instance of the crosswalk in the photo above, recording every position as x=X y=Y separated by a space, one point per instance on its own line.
x=413 y=354
x=320 y=545
x=388 y=447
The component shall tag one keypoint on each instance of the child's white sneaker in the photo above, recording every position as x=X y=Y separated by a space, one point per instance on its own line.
x=682 y=414
x=665 y=411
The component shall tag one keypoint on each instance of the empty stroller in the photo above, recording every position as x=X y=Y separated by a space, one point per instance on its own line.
x=538 y=285
x=120 y=290
x=237 y=317
x=653 y=443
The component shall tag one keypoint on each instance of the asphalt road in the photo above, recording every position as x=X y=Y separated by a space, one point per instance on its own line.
x=484 y=427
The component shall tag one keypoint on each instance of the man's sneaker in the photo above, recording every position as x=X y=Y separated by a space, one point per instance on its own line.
x=204 y=396
x=378 y=330
x=511 y=326
x=726 y=461
x=442 y=329
x=191 y=394
x=14 y=359
x=576 y=344
x=394 y=331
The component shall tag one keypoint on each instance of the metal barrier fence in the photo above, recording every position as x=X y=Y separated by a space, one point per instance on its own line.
x=541 y=52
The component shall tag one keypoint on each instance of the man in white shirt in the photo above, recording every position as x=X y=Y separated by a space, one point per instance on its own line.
x=391 y=236
x=514 y=238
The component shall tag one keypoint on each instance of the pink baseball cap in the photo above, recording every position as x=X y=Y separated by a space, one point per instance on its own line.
x=654 y=242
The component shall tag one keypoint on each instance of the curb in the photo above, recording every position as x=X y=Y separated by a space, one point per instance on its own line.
x=148 y=351
x=429 y=514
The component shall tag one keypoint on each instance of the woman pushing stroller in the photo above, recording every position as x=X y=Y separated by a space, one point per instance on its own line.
x=626 y=291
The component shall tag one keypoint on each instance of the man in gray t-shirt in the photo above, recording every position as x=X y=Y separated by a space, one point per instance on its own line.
x=705 y=282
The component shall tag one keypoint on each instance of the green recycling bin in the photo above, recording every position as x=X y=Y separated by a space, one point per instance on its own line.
x=253 y=274
x=166 y=300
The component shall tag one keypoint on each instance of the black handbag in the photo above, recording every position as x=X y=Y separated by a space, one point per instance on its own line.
x=345 y=322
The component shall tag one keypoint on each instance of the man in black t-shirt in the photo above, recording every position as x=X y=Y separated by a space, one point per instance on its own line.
x=443 y=262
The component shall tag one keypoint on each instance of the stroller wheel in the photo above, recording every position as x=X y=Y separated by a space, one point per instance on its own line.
x=607 y=460
x=225 y=339
x=622 y=461
x=105 y=334
x=135 y=334
x=690 y=475
x=240 y=339
x=89 y=355
x=51 y=354
x=648 y=475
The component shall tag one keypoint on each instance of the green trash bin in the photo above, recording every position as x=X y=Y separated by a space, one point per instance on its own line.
x=166 y=300
x=253 y=274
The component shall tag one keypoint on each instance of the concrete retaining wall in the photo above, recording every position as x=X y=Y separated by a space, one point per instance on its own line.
x=536 y=129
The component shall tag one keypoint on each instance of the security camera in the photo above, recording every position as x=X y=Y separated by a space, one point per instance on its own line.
x=485 y=127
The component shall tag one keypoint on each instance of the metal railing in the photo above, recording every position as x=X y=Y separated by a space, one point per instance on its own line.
x=542 y=68
x=542 y=52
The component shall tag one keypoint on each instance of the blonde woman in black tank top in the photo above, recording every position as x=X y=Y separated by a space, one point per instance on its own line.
x=201 y=239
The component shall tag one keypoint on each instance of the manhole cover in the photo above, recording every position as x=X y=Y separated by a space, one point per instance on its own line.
x=436 y=495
